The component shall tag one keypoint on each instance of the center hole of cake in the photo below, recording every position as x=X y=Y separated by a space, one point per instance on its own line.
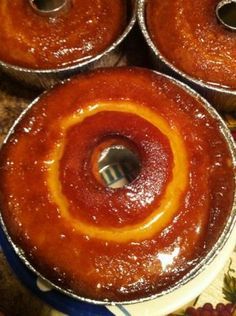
x=226 y=14
x=48 y=6
x=118 y=166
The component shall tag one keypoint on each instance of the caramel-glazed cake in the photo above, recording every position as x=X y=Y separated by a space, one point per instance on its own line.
x=189 y=36
x=124 y=243
x=86 y=29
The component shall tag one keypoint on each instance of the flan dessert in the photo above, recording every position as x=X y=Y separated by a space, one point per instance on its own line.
x=34 y=41
x=116 y=244
x=189 y=36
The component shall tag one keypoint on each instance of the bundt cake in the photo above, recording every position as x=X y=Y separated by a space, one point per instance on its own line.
x=35 y=41
x=123 y=243
x=188 y=34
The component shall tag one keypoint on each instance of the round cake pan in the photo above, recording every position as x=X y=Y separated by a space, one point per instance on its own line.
x=222 y=98
x=46 y=78
x=227 y=230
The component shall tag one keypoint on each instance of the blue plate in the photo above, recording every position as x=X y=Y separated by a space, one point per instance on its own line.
x=56 y=299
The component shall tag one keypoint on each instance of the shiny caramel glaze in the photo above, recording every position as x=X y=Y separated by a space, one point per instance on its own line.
x=89 y=238
x=188 y=34
x=40 y=42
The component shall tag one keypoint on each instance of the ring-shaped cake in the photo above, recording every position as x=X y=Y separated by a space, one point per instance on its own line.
x=44 y=42
x=35 y=41
x=195 y=43
x=117 y=244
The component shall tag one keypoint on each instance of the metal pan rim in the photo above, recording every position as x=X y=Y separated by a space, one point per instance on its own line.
x=203 y=263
